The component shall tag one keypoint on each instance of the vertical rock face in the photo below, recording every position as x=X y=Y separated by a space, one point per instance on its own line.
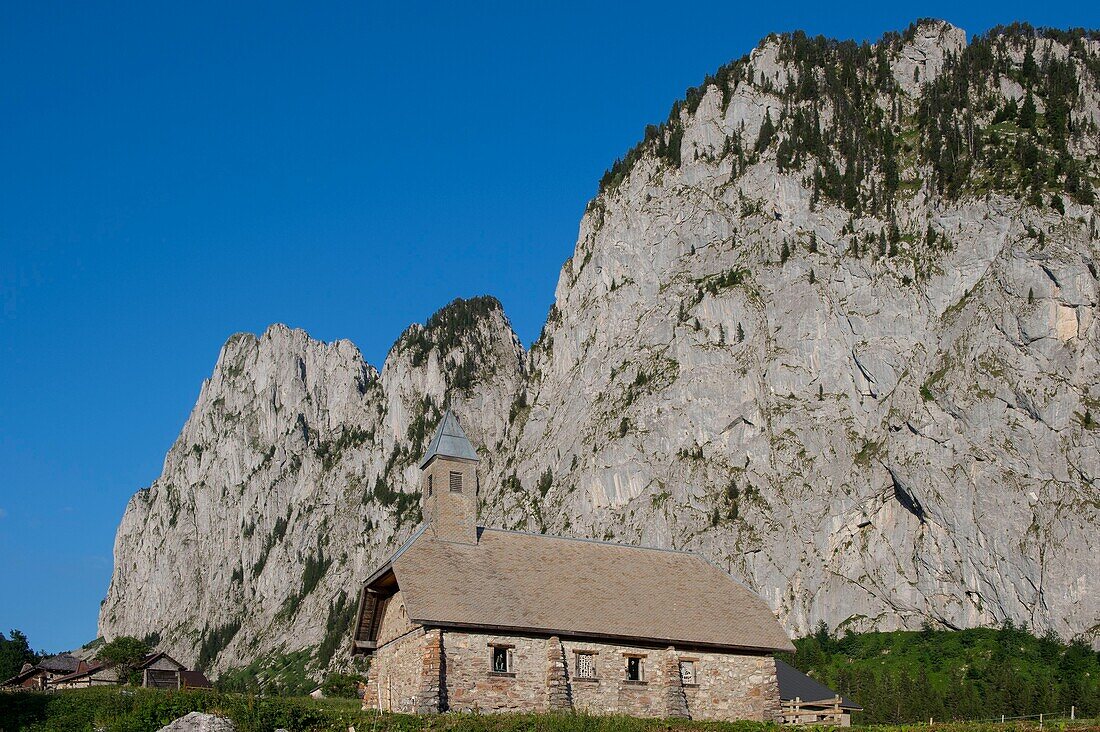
x=878 y=409
x=924 y=53
x=833 y=325
x=294 y=474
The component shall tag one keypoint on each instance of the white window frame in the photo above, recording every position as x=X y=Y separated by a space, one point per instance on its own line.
x=509 y=658
x=693 y=664
x=591 y=657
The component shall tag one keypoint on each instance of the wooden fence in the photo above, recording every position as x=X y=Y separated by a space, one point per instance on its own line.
x=825 y=711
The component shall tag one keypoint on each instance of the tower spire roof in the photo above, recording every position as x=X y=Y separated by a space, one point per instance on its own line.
x=449 y=441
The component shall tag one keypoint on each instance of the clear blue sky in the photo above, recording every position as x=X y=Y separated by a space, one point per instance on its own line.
x=171 y=175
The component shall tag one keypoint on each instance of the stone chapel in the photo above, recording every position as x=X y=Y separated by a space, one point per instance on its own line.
x=469 y=618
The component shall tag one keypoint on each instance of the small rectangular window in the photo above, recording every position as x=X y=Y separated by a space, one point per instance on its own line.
x=635 y=671
x=687 y=673
x=586 y=665
x=456 y=482
x=502 y=660
x=430 y=481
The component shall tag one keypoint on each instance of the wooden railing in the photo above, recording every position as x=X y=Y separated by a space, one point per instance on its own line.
x=828 y=711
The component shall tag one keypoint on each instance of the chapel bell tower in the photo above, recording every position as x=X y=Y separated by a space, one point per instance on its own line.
x=449 y=484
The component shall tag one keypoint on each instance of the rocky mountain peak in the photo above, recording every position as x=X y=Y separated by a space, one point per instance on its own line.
x=925 y=48
x=294 y=473
x=832 y=324
x=816 y=250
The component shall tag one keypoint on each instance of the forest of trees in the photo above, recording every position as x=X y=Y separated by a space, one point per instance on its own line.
x=980 y=673
x=846 y=124
x=14 y=652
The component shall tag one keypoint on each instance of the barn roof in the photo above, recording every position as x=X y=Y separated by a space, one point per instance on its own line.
x=449 y=441
x=195 y=680
x=61 y=663
x=90 y=671
x=155 y=656
x=795 y=684
x=515 y=581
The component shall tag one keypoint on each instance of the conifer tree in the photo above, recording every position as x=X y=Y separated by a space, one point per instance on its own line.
x=1027 y=112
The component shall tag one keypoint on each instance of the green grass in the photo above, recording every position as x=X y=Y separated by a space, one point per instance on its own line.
x=901 y=678
x=139 y=710
x=146 y=710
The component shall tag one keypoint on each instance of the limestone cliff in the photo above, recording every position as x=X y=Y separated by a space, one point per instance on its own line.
x=291 y=478
x=832 y=324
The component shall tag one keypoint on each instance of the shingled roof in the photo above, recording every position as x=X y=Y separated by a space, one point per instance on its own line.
x=449 y=441
x=793 y=684
x=61 y=663
x=521 y=582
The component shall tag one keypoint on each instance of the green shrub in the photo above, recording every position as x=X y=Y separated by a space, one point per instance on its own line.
x=146 y=710
x=342 y=686
x=546 y=482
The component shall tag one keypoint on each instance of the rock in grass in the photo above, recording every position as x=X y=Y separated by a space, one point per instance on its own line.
x=199 y=722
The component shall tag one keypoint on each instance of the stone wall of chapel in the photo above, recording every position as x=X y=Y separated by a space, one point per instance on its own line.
x=395 y=620
x=610 y=692
x=393 y=679
x=733 y=686
x=730 y=686
x=472 y=685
